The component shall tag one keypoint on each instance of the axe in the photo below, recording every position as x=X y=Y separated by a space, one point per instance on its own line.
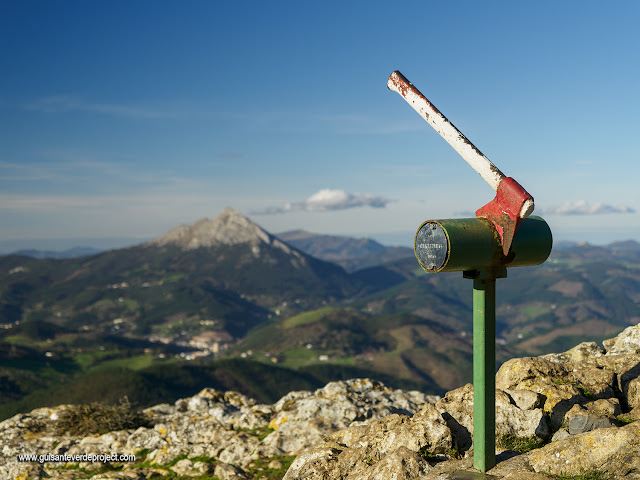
x=511 y=204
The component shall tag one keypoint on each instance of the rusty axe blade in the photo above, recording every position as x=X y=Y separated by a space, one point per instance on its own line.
x=512 y=203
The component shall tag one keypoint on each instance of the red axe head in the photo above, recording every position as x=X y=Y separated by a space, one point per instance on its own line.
x=506 y=211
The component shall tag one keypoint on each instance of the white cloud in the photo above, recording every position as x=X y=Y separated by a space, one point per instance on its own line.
x=581 y=207
x=328 y=200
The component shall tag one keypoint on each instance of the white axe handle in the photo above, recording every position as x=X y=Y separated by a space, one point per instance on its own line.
x=461 y=144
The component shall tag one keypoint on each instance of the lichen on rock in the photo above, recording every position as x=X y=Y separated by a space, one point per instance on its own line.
x=566 y=414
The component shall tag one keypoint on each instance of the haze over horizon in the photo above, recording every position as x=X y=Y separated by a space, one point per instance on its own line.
x=121 y=121
x=389 y=239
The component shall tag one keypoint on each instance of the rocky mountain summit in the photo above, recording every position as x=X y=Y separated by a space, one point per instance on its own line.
x=572 y=414
x=228 y=228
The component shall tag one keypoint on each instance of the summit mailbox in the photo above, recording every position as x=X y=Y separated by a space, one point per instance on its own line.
x=473 y=244
x=502 y=235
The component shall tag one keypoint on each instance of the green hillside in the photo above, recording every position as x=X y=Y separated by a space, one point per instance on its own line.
x=156 y=322
x=164 y=290
x=404 y=346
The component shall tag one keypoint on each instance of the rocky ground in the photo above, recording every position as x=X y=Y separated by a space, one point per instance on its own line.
x=568 y=415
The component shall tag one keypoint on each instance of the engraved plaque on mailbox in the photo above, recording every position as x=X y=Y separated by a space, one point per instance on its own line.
x=431 y=246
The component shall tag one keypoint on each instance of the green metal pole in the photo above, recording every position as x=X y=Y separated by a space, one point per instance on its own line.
x=484 y=380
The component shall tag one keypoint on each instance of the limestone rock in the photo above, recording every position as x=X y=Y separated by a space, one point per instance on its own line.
x=227 y=427
x=302 y=419
x=313 y=463
x=145 y=439
x=424 y=433
x=439 y=436
x=627 y=342
x=230 y=408
x=622 y=360
x=621 y=369
x=633 y=393
x=526 y=399
x=457 y=408
x=586 y=423
x=561 y=434
x=635 y=413
x=295 y=435
x=511 y=466
x=538 y=375
x=593 y=382
x=578 y=353
x=401 y=464
x=607 y=407
x=99 y=445
x=224 y=471
x=613 y=451
x=192 y=469
x=23 y=471
x=525 y=476
x=386 y=448
x=26 y=434
x=580 y=420
x=239 y=447
x=563 y=384
x=132 y=474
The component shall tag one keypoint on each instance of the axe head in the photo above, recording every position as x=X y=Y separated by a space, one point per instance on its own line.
x=506 y=211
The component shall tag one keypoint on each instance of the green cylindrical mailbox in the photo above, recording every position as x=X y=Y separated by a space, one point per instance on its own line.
x=473 y=244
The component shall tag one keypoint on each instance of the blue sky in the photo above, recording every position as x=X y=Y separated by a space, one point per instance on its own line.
x=124 y=119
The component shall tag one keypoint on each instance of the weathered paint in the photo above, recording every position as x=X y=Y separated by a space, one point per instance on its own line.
x=512 y=202
x=505 y=210
x=461 y=144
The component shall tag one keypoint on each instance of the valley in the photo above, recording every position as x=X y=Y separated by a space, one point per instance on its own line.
x=224 y=303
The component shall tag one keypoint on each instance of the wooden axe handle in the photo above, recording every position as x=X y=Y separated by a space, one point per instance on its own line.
x=474 y=157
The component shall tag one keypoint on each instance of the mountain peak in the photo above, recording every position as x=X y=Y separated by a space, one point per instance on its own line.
x=229 y=228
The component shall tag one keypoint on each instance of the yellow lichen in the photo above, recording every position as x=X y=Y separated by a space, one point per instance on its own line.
x=277 y=422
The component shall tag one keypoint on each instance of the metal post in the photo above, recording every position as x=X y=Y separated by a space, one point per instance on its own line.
x=484 y=360
x=484 y=364
x=482 y=248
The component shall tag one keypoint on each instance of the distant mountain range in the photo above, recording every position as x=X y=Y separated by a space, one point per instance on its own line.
x=227 y=285
x=69 y=253
x=350 y=253
x=228 y=271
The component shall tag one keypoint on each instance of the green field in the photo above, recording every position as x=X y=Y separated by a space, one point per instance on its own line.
x=533 y=311
x=137 y=362
x=298 y=357
x=307 y=317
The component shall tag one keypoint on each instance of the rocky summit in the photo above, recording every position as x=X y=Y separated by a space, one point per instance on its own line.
x=228 y=228
x=567 y=415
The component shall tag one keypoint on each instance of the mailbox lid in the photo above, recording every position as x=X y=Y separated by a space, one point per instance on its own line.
x=431 y=246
